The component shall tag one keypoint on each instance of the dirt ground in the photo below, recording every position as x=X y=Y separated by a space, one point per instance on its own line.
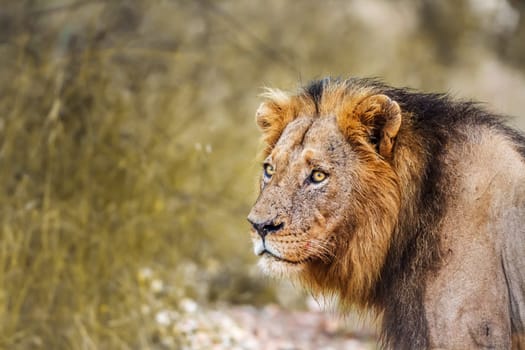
x=268 y=328
x=274 y=328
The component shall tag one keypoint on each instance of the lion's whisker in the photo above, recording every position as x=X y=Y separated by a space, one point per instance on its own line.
x=320 y=249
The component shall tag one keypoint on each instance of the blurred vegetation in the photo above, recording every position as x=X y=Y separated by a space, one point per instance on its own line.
x=127 y=143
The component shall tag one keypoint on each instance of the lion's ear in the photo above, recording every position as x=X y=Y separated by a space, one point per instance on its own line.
x=380 y=117
x=273 y=115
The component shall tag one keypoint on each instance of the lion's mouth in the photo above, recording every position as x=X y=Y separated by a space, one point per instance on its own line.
x=280 y=259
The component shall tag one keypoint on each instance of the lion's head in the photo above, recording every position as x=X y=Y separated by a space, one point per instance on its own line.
x=329 y=194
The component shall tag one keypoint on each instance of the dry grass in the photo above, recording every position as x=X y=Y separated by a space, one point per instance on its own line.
x=107 y=170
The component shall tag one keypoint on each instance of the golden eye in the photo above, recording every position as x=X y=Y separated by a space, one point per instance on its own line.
x=269 y=170
x=318 y=176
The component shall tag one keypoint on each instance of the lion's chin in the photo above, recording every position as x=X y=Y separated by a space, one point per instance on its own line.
x=275 y=267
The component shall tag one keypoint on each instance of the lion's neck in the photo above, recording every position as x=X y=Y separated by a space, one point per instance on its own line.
x=415 y=252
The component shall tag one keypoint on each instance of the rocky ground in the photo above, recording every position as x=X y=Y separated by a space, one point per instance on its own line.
x=250 y=328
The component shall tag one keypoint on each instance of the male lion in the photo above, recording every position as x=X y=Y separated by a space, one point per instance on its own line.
x=409 y=204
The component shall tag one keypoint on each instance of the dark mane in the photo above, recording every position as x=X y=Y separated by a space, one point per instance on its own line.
x=315 y=90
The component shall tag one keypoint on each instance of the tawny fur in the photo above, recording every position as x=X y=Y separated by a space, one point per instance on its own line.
x=388 y=228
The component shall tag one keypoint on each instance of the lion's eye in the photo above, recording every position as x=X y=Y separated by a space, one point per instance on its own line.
x=269 y=170
x=318 y=176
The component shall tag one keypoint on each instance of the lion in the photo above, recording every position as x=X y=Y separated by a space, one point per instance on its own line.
x=407 y=204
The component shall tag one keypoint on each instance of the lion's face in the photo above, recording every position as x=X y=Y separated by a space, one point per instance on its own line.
x=306 y=183
x=329 y=196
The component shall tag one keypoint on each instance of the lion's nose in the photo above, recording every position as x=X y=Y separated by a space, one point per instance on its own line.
x=264 y=228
